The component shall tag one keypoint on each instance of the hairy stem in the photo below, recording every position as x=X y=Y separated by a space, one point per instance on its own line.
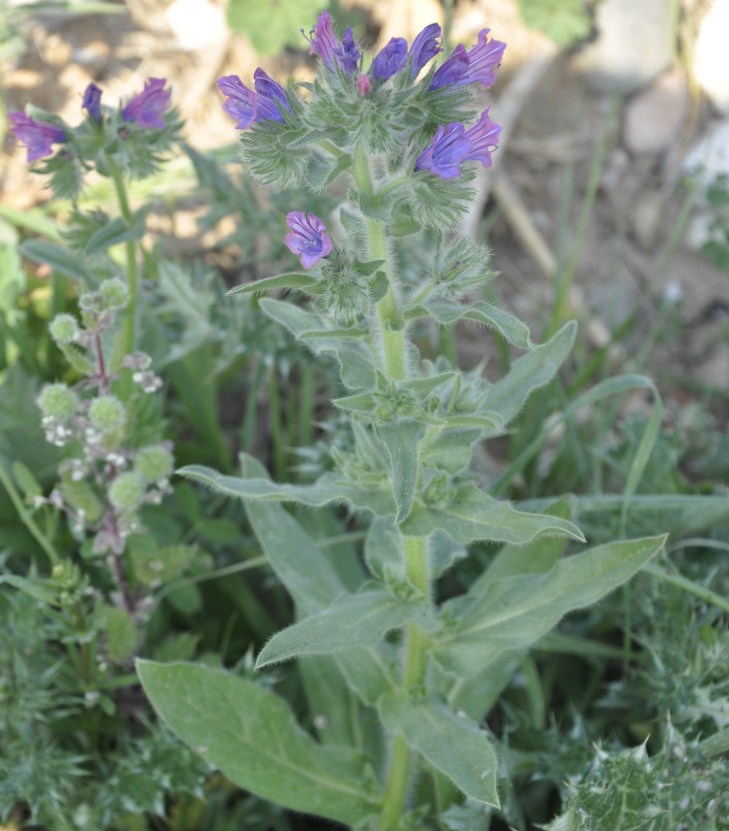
x=416 y=656
x=131 y=252
x=391 y=329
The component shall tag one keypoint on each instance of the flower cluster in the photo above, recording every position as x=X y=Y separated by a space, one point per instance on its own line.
x=146 y=110
x=103 y=479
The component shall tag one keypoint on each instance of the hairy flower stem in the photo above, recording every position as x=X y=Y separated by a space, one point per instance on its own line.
x=131 y=251
x=393 y=805
x=391 y=329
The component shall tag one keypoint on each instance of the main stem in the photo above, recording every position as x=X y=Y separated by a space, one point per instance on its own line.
x=131 y=253
x=416 y=656
x=392 y=348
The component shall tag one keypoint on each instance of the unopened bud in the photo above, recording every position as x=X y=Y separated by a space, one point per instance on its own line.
x=58 y=401
x=64 y=328
x=106 y=413
x=127 y=491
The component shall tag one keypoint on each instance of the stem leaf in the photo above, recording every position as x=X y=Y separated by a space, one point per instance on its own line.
x=513 y=611
x=453 y=744
x=354 y=620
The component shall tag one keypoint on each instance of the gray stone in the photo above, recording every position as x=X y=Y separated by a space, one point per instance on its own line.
x=635 y=43
x=653 y=119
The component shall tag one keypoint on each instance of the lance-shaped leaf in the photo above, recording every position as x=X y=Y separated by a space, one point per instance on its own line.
x=530 y=372
x=355 y=360
x=329 y=488
x=453 y=744
x=291 y=280
x=401 y=437
x=446 y=313
x=57 y=257
x=514 y=611
x=474 y=515
x=251 y=735
x=353 y=620
x=301 y=565
x=116 y=231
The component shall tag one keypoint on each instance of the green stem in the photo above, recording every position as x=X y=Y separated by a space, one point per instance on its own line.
x=27 y=519
x=391 y=329
x=417 y=643
x=131 y=251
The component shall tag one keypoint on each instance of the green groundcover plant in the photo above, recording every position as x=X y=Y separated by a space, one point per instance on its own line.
x=398 y=682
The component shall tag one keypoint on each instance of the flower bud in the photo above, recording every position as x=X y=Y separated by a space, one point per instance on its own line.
x=64 y=328
x=107 y=413
x=58 y=401
x=154 y=463
x=113 y=292
x=127 y=491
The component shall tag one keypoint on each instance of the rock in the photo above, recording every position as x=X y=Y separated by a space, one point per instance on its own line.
x=196 y=24
x=635 y=43
x=653 y=119
x=711 y=63
x=647 y=217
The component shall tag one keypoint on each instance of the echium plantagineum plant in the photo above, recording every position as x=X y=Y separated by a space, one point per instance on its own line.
x=397 y=683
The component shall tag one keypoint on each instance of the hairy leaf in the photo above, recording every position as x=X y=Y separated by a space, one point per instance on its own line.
x=251 y=735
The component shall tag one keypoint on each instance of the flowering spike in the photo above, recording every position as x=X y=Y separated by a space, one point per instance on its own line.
x=92 y=102
x=146 y=108
x=37 y=136
x=307 y=237
x=477 y=66
x=425 y=47
x=390 y=59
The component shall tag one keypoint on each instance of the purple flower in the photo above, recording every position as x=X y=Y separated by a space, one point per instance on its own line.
x=248 y=107
x=307 y=237
x=477 y=66
x=444 y=154
x=325 y=44
x=148 y=106
x=425 y=47
x=364 y=85
x=454 y=144
x=483 y=138
x=92 y=102
x=37 y=136
x=390 y=59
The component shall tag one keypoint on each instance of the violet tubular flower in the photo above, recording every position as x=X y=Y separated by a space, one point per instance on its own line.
x=92 y=102
x=425 y=47
x=453 y=144
x=325 y=44
x=477 y=66
x=390 y=59
x=146 y=108
x=36 y=136
x=247 y=106
x=307 y=237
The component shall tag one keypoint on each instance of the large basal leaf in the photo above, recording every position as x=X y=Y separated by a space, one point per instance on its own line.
x=251 y=735
x=354 y=620
x=453 y=744
x=474 y=515
x=515 y=611
x=401 y=438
